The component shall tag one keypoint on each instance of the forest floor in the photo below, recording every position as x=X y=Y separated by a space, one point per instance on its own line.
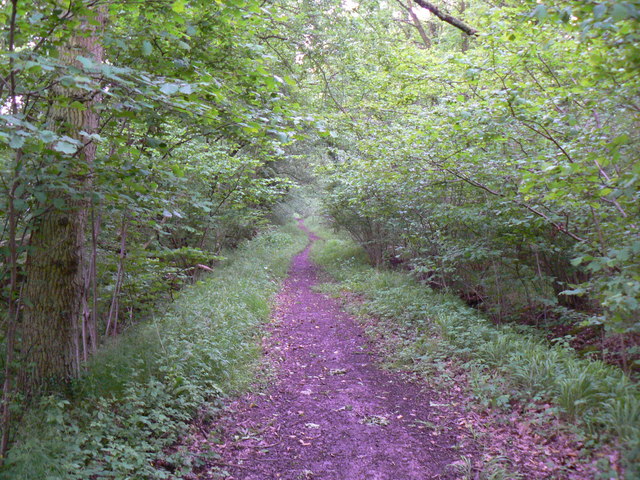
x=333 y=413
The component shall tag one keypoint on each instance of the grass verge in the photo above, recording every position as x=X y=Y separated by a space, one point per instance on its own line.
x=505 y=364
x=141 y=392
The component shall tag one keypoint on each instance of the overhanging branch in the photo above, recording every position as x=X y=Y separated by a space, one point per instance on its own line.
x=445 y=17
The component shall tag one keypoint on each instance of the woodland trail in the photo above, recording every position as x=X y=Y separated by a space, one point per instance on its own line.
x=332 y=413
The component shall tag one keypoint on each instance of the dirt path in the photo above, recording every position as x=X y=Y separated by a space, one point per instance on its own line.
x=332 y=413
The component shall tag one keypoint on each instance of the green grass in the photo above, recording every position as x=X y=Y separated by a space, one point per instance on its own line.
x=504 y=363
x=141 y=392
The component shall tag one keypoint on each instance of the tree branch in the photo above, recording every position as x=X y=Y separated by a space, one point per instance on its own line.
x=562 y=228
x=416 y=23
x=445 y=17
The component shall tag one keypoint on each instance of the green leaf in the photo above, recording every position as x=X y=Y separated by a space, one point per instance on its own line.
x=283 y=137
x=65 y=147
x=576 y=291
x=147 y=48
x=16 y=141
x=153 y=142
x=619 y=140
x=179 y=6
x=169 y=88
x=619 y=12
x=35 y=18
x=599 y=11
x=40 y=196
x=576 y=261
x=87 y=63
x=177 y=170
x=540 y=12
x=47 y=136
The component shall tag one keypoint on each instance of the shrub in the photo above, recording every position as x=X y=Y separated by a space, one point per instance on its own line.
x=141 y=391
x=437 y=326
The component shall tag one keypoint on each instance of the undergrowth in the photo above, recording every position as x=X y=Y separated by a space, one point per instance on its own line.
x=504 y=363
x=141 y=392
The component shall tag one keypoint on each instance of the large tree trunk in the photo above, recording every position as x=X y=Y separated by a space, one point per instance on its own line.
x=54 y=296
x=51 y=326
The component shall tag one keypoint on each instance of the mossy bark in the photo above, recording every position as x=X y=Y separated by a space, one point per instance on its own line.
x=51 y=324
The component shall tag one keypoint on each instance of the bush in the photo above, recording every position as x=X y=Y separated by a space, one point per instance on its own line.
x=440 y=326
x=141 y=392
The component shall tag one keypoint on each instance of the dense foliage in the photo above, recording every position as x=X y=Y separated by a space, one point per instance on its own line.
x=505 y=367
x=137 y=142
x=187 y=123
x=142 y=391
x=503 y=167
x=490 y=148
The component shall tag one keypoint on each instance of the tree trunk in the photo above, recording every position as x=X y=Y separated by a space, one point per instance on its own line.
x=465 y=38
x=51 y=327
x=115 y=299
x=54 y=296
x=413 y=18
